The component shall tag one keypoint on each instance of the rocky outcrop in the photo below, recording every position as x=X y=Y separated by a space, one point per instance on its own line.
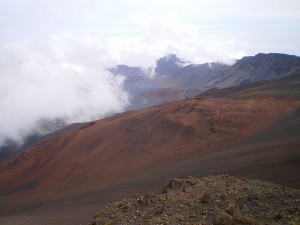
x=213 y=200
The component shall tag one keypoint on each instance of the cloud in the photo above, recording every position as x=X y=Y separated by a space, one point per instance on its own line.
x=63 y=76
x=59 y=78
x=163 y=33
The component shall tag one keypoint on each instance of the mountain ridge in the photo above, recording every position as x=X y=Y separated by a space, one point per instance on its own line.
x=260 y=67
x=187 y=78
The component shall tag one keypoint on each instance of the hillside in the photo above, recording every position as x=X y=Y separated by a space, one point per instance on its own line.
x=135 y=151
x=120 y=145
x=288 y=86
x=70 y=174
x=213 y=200
x=174 y=75
x=198 y=76
x=248 y=70
x=257 y=68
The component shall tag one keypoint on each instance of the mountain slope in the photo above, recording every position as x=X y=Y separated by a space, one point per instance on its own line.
x=135 y=151
x=288 y=86
x=256 y=68
x=173 y=75
x=169 y=65
x=153 y=135
x=67 y=177
x=195 y=76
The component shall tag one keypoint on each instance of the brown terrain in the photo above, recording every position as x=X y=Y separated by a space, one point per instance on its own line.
x=65 y=179
x=213 y=200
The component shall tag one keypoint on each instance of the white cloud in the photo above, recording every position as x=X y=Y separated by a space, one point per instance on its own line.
x=61 y=77
x=161 y=34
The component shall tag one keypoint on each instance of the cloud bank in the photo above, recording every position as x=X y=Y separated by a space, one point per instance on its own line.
x=163 y=33
x=60 y=78
x=53 y=54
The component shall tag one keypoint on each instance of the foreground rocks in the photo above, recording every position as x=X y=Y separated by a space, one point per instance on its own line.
x=213 y=200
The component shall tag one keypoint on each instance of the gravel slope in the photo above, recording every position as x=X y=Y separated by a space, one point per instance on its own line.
x=217 y=200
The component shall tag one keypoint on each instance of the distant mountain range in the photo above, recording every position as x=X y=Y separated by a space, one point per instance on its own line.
x=256 y=68
x=185 y=79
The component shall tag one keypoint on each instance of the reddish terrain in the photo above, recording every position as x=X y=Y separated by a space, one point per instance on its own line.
x=133 y=152
x=247 y=130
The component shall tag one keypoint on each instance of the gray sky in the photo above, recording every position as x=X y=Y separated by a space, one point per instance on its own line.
x=53 y=52
x=200 y=30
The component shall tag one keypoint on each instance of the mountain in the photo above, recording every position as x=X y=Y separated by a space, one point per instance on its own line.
x=256 y=68
x=136 y=81
x=287 y=86
x=131 y=73
x=198 y=76
x=185 y=79
x=217 y=200
x=146 y=90
x=68 y=176
x=175 y=79
x=169 y=65
x=248 y=70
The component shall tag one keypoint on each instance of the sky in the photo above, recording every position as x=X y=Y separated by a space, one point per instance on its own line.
x=53 y=54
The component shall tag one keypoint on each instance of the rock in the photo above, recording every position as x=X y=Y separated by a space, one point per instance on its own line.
x=233 y=210
x=217 y=200
x=223 y=219
x=247 y=221
x=245 y=208
x=205 y=198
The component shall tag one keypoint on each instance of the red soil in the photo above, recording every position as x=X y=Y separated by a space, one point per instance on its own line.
x=196 y=136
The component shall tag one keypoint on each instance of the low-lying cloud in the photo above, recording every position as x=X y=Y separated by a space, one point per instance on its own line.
x=62 y=78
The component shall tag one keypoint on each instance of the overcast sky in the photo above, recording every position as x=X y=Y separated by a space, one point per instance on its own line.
x=139 y=31
x=53 y=52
